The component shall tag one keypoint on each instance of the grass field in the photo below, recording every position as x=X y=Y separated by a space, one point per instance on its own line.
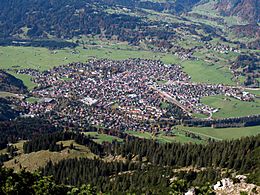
x=209 y=10
x=32 y=99
x=35 y=160
x=201 y=71
x=199 y=115
x=44 y=59
x=100 y=138
x=223 y=133
x=161 y=137
x=255 y=92
x=25 y=78
x=231 y=107
x=7 y=94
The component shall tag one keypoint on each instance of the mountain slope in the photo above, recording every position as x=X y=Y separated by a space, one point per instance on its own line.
x=247 y=10
x=7 y=111
x=11 y=84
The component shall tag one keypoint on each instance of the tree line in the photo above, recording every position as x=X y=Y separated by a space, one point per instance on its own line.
x=50 y=44
x=23 y=129
x=49 y=142
x=238 y=154
x=245 y=121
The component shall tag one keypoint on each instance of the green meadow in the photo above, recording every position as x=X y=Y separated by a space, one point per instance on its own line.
x=163 y=138
x=255 y=92
x=100 y=138
x=231 y=107
x=27 y=79
x=200 y=71
x=43 y=59
x=222 y=133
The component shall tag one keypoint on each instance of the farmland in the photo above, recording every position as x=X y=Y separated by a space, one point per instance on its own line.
x=222 y=133
x=43 y=59
x=201 y=71
x=231 y=107
x=176 y=136
x=100 y=138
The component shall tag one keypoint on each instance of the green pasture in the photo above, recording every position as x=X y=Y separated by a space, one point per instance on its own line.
x=163 y=138
x=32 y=99
x=222 y=133
x=201 y=71
x=7 y=94
x=199 y=115
x=12 y=58
x=231 y=107
x=43 y=59
x=25 y=78
x=255 y=92
x=100 y=138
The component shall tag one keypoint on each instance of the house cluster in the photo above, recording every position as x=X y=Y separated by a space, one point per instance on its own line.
x=105 y=93
x=119 y=95
x=224 y=49
x=190 y=94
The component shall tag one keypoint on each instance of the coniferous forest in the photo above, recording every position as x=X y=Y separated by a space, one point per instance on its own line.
x=146 y=166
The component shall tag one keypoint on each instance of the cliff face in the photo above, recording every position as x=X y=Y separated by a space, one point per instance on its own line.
x=247 y=10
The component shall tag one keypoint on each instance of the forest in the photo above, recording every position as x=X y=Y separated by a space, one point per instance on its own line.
x=67 y=19
x=223 y=123
x=50 y=44
x=146 y=166
x=23 y=129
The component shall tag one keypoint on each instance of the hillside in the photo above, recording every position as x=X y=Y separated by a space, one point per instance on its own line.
x=7 y=112
x=68 y=18
x=248 y=10
x=10 y=83
x=145 y=165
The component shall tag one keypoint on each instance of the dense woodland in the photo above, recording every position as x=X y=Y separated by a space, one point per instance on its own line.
x=23 y=129
x=134 y=177
x=48 y=142
x=147 y=166
x=50 y=44
x=34 y=183
x=235 y=154
x=226 y=122
x=239 y=155
x=11 y=84
x=70 y=18
x=6 y=110
x=248 y=66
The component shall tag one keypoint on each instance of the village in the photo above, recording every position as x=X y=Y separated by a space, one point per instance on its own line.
x=131 y=94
